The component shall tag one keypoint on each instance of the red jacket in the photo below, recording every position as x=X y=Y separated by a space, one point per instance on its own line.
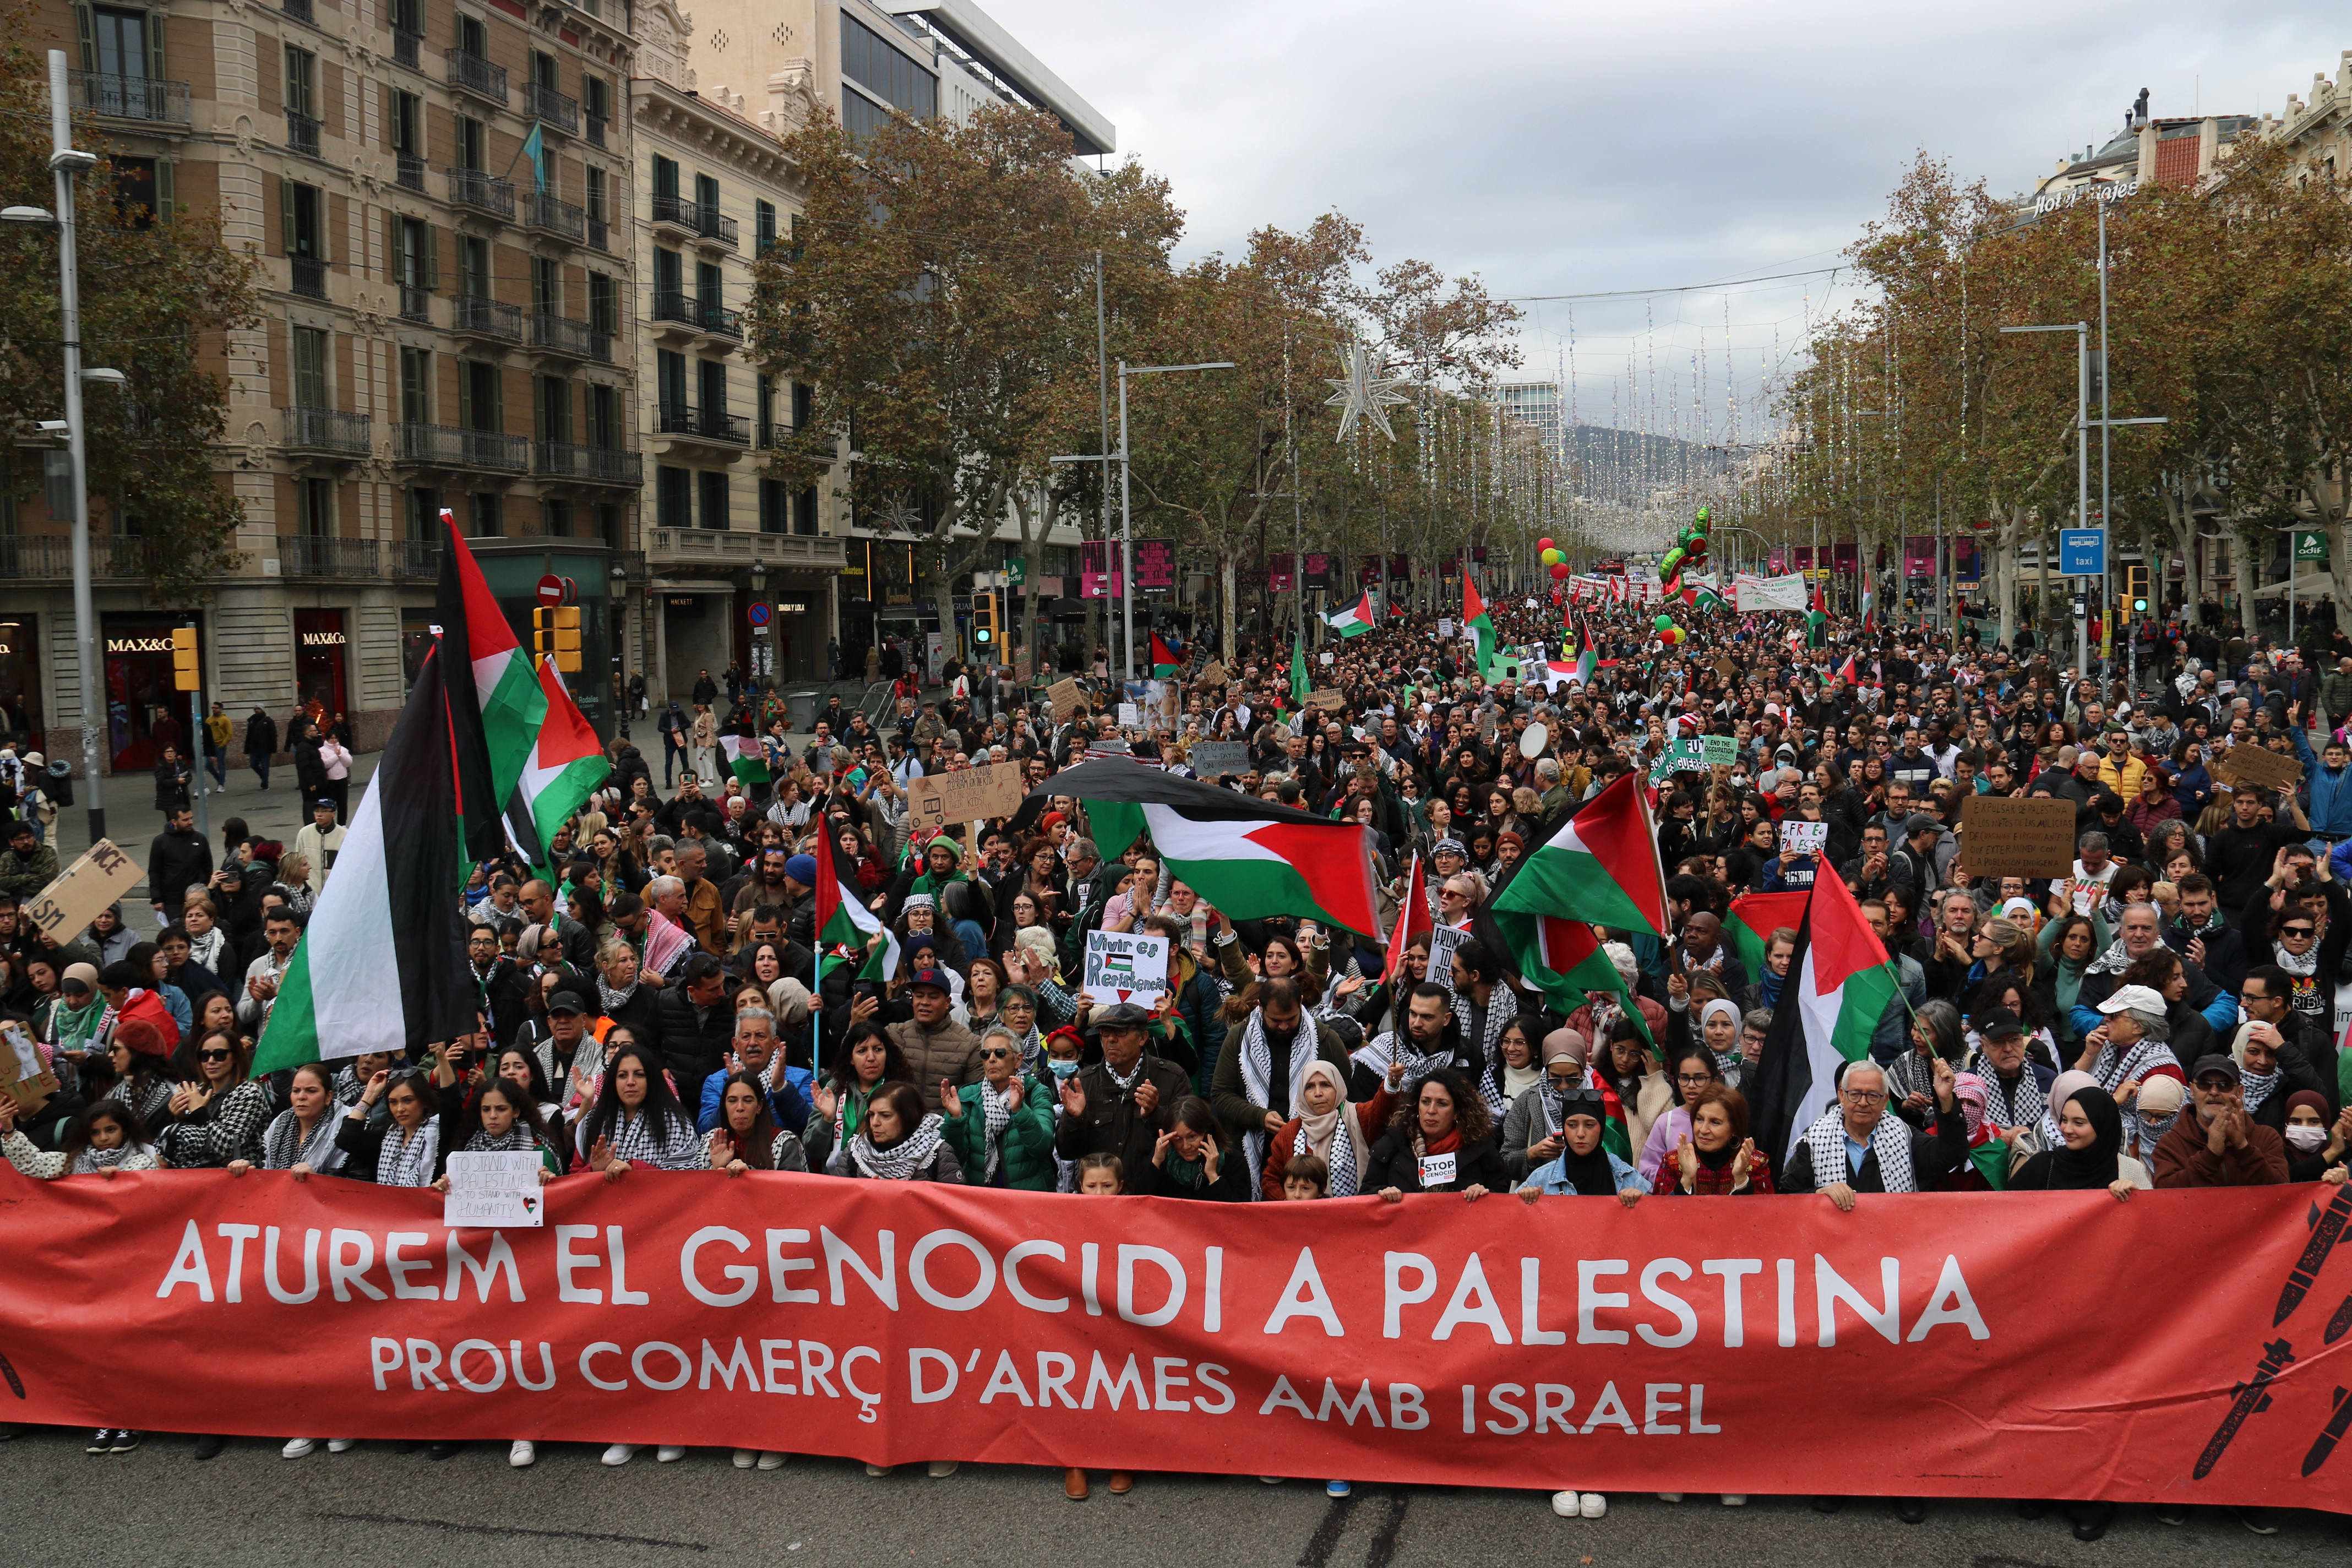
x=1373 y=1114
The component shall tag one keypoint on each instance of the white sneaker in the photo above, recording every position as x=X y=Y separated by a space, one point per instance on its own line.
x=1670 y=1497
x=769 y=1460
x=620 y=1453
x=1593 y=1506
x=745 y=1458
x=670 y=1453
x=523 y=1454
x=1271 y=1481
x=1566 y=1504
x=1734 y=1499
x=297 y=1448
x=874 y=1469
x=342 y=1444
x=941 y=1468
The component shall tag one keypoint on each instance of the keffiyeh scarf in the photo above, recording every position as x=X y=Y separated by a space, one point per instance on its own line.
x=90 y=1160
x=2021 y=1106
x=407 y=1159
x=613 y=1001
x=636 y=1140
x=283 y=1146
x=996 y=1115
x=1257 y=1078
x=515 y=1140
x=1394 y=1047
x=2259 y=1088
x=900 y=1162
x=1890 y=1140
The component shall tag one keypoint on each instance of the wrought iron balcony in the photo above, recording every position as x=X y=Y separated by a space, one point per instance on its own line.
x=406 y=47
x=703 y=315
x=304 y=555
x=542 y=210
x=310 y=276
x=299 y=10
x=563 y=335
x=416 y=304
x=596 y=131
x=447 y=446
x=301 y=134
x=704 y=424
x=327 y=430
x=588 y=465
x=412 y=558
x=703 y=221
x=478 y=189
x=130 y=97
x=412 y=173
x=488 y=318
x=550 y=108
x=469 y=72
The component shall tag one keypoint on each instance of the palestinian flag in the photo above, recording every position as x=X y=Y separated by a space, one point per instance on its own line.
x=1298 y=686
x=567 y=762
x=1817 y=619
x=746 y=759
x=1414 y=921
x=381 y=965
x=1249 y=857
x=1845 y=671
x=1756 y=917
x=1165 y=660
x=1355 y=620
x=1869 y=613
x=496 y=714
x=1476 y=623
x=1601 y=865
x=843 y=924
x=1840 y=984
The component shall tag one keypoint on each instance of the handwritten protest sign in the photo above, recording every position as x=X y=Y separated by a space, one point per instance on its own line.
x=1799 y=837
x=1443 y=941
x=938 y=801
x=1126 y=966
x=494 y=1190
x=1066 y=700
x=2257 y=766
x=1221 y=759
x=22 y=1074
x=103 y=875
x=2029 y=838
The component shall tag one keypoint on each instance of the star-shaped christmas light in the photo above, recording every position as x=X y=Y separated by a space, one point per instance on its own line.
x=1367 y=390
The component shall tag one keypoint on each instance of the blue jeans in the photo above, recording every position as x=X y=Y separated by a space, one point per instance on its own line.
x=259 y=763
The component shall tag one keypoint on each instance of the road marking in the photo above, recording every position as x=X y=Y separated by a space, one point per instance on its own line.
x=1333 y=1525
x=1384 y=1543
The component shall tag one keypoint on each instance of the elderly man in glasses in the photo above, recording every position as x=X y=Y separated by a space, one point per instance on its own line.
x=1855 y=1147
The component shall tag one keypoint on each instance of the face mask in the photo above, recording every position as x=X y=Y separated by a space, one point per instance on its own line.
x=1062 y=1069
x=2305 y=1138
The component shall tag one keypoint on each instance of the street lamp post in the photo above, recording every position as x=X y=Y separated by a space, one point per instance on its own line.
x=2082 y=330
x=65 y=162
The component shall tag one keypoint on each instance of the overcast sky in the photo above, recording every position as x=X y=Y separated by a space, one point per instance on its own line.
x=1558 y=147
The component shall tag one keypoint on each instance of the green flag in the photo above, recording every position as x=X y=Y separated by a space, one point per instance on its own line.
x=1299 y=671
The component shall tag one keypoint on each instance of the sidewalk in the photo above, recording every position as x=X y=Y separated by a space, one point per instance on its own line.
x=132 y=820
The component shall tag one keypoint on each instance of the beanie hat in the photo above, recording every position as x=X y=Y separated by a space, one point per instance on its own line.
x=802 y=868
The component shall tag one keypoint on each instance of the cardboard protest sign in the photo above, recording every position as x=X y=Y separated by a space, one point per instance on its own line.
x=938 y=801
x=1443 y=941
x=2028 y=837
x=1214 y=676
x=22 y=1074
x=103 y=875
x=1130 y=717
x=494 y=1190
x=1126 y=966
x=1066 y=698
x=1718 y=750
x=2257 y=766
x=1325 y=697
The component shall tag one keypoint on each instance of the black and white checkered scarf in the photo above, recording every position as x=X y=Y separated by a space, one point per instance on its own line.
x=1890 y=1140
x=1257 y=1078
x=996 y=1113
x=900 y=1162
x=671 y=1145
x=406 y=1160
x=283 y=1146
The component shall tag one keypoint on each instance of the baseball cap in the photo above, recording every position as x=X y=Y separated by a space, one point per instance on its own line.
x=2001 y=1023
x=2218 y=1065
x=2137 y=999
x=927 y=976
x=564 y=1004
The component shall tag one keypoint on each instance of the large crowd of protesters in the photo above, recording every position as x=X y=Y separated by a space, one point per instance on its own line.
x=2161 y=1015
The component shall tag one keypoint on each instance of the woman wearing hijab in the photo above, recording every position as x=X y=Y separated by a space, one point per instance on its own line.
x=1531 y=1128
x=70 y=1021
x=2153 y=1114
x=2089 y=1151
x=1718 y=1024
x=2314 y=1150
x=1331 y=1127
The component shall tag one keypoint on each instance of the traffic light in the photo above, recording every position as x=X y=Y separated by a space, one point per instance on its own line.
x=185 y=676
x=555 y=633
x=2134 y=591
x=984 y=619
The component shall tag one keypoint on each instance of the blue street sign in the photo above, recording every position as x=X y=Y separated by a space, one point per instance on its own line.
x=2082 y=551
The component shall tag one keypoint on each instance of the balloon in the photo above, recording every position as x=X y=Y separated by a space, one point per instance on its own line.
x=1543 y=544
x=1674 y=635
x=1553 y=558
x=1662 y=623
x=1559 y=572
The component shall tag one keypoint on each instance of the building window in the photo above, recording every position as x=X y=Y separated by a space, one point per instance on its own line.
x=416 y=386
x=424 y=511
x=478 y=400
x=604 y=304
x=596 y=198
x=708 y=287
x=473 y=38
x=553 y=412
x=714 y=389
x=604 y=418
x=143 y=188
x=763 y=226
x=669 y=380
x=546 y=285
x=714 y=501
x=665 y=176
x=473 y=267
x=555 y=518
x=311 y=369
x=763 y=408
x=608 y=525
x=301 y=82
x=484 y=522
x=773 y=506
x=408 y=123
x=804 y=512
x=314 y=508
x=303 y=215
x=674 y=497
x=706 y=194
x=803 y=404
x=875 y=64
x=469 y=143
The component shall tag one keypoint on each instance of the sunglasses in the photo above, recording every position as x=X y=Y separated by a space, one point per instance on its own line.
x=998 y=1054
x=2297 y=930
x=213 y=1056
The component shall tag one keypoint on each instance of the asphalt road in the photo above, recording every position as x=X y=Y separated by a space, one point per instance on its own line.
x=158 y=1508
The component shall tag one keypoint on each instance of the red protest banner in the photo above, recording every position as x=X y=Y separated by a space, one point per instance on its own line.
x=2059 y=1345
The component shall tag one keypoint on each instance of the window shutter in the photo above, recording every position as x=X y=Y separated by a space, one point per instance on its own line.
x=156 y=71
x=392 y=267
x=88 y=31
x=432 y=258
x=539 y=409
x=167 y=188
x=464 y=395
x=285 y=215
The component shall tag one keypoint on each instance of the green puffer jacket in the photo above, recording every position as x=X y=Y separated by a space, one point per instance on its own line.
x=1026 y=1145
